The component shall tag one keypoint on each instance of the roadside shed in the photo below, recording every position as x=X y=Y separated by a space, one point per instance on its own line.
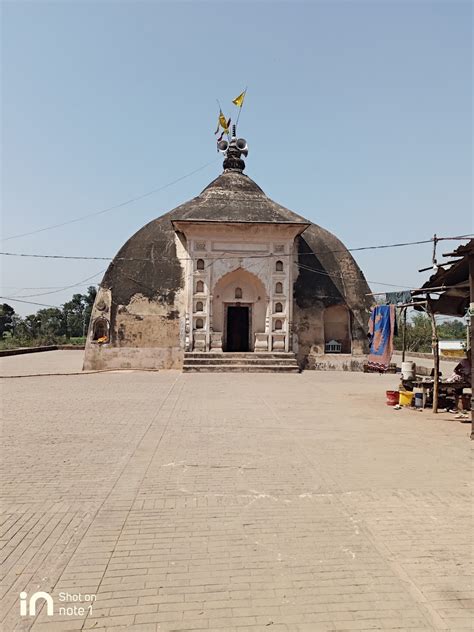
x=450 y=291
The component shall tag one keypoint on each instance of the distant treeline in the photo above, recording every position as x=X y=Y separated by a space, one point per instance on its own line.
x=51 y=325
x=418 y=333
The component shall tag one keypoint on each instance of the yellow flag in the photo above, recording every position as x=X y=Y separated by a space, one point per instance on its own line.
x=239 y=101
x=223 y=122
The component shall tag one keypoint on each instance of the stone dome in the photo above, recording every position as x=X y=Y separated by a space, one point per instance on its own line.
x=149 y=266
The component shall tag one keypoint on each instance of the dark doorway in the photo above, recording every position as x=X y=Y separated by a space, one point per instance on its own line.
x=237 y=328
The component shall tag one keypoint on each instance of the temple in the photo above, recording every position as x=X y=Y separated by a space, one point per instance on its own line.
x=230 y=272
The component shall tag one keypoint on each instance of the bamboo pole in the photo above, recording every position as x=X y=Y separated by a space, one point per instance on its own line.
x=404 y=333
x=471 y=335
x=434 y=343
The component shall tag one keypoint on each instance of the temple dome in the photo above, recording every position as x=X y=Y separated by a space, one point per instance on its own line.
x=152 y=267
x=234 y=197
x=148 y=262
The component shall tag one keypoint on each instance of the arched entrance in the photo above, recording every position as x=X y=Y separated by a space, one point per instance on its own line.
x=239 y=306
x=237 y=328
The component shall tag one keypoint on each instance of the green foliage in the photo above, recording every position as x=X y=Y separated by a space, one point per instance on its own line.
x=6 y=318
x=77 y=312
x=452 y=330
x=13 y=342
x=418 y=333
x=51 y=322
x=52 y=325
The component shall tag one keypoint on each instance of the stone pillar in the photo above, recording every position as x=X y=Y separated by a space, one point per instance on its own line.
x=289 y=304
x=208 y=319
x=190 y=303
x=268 y=324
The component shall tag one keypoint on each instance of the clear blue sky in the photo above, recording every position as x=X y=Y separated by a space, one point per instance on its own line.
x=358 y=116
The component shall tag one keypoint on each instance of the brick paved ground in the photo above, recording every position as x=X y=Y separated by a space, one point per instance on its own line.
x=44 y=362
x=232 y=502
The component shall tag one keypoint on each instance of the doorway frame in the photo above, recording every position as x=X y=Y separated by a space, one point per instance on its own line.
x=250 y=340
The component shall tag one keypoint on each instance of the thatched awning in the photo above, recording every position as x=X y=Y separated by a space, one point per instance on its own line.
x=447 y=290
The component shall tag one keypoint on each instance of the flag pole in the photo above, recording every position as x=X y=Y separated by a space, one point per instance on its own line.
x=218 y=119
x=240 y=109
x=220 y=111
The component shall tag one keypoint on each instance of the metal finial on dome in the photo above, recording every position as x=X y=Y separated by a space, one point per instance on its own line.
x=233 y=151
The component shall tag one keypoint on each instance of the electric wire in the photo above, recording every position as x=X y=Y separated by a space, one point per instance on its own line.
x=18 y=300
x=34 y=287
x=141 y=284
x=112 y=208
x=66 y=287
x=214 y=259
x=230 y=256
x=337 y=276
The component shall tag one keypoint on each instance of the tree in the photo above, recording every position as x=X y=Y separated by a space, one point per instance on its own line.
x=51 y=322
x=452 y=330
x=418 y=333
x=17 y=322
x=89 y=299
x=29 y=327
x=72 y=314
x=77 y=312
x=6 y=319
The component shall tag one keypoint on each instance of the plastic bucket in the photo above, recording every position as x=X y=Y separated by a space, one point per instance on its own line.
x=408 y=370
x=392 y=398
x=418 y=400
x=406 y=398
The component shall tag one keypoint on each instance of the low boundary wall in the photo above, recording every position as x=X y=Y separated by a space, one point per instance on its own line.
x=22 y=350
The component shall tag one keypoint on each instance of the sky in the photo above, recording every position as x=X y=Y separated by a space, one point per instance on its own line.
x=357 y=116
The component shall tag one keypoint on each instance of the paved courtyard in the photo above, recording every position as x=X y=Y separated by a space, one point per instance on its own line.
x=168 y=501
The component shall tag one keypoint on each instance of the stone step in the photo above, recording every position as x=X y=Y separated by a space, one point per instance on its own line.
x=246 y=362
x=240 y=368
x=235 y=354
x=250 y=361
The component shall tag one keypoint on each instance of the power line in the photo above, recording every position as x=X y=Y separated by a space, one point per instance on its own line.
x=411 y=243
x=214 y=259
x=56 y=290
x=111 y=208
x=66 y=287
x=339 y=277
x=36 y=256
x=35 y=287
x=18 y=300
x=232 y=256
x=405 y=287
